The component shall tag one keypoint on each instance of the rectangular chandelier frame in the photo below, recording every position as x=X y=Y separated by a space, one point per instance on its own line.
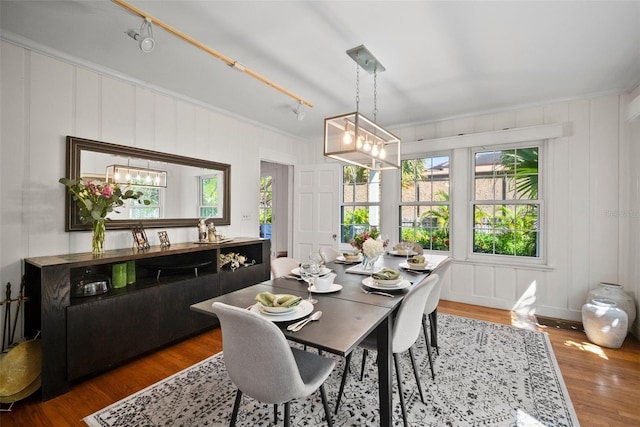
x=138 y=176
x=353 y=138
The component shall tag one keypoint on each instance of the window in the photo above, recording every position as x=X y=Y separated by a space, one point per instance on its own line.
x=209 y=203
x=138 y=210
x=360 y=209
x=265 y=207
x=506 y=203
x=424 y=202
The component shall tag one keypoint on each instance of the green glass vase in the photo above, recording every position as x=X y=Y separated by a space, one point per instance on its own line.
x=97 y=242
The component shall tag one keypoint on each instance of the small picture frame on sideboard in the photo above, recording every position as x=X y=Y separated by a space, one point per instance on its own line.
x=140 y=237
x=164 y=239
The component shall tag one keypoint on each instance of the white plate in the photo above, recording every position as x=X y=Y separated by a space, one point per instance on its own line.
x=323 y=271
x=402 y=252
x=333 y=288
x=274 y=310
x=413 y=267
x=371 y=283
x=341 y=258
x=300 y=310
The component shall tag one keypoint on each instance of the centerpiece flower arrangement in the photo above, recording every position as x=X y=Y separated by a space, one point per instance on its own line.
x=370 y=244
x=95 y=199
x=234 y=260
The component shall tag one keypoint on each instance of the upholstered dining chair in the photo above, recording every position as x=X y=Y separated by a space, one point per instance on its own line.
x=263 y=366
x=328 y=253
x=283 y=266
x=405 y=332
x=431 y=307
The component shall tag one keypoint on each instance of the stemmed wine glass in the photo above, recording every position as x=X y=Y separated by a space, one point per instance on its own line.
x=407 y=246
x=309 y=271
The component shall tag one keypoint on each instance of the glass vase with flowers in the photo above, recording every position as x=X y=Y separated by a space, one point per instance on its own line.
x=371 y=245
x=95 y=200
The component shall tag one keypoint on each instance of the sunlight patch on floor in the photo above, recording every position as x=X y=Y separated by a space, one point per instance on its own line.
x=588 y=347
x=523 y=313
x=525 y=420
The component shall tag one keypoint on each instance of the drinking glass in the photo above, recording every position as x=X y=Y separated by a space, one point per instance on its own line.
x=316 y=257
x=407 y=246
x=309 y=271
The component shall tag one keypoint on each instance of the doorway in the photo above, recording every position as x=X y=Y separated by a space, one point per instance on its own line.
x=275 y=206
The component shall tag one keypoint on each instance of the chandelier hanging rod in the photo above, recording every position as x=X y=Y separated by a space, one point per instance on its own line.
x=229 y=61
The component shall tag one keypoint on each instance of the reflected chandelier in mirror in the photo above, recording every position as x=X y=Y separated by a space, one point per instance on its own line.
x=181 y=189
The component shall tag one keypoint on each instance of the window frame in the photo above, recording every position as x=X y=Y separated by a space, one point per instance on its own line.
x=428 y=204
x=540 y=202
x=219 y=206
x=368 y=204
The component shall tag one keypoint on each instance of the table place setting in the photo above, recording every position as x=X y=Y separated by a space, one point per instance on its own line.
x=348 y=258
x=280 y=307
x=387 y=279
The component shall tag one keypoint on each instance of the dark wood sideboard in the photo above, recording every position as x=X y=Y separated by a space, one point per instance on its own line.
x=86 y=335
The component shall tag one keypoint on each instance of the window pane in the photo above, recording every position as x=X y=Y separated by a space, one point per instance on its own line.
x=506 y=230
x=357 y=219
x=424 y=214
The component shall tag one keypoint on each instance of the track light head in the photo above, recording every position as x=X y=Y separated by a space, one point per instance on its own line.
x=144 y=37
x=299 y=111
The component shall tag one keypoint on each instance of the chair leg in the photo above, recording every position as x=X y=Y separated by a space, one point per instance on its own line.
x=364 y=361
x=426 y=339
x=236 y=406
x=275 y=413
x=433 y=323
x=327 y=411
x=415 y=373
x=286 y=414
x=400 y=391
x=344 y=379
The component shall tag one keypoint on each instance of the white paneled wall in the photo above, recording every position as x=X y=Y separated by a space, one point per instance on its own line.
x=44 y=99
x=585 y=237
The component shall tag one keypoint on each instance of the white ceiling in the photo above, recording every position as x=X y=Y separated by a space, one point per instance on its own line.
x=442 y=59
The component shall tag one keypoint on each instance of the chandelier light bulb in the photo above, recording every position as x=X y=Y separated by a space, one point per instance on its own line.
x=127 y=176
x=359 y=142
x=374 y=150
x=116 y=175
x=383 y=153
x=367 y=145
x=346 y=138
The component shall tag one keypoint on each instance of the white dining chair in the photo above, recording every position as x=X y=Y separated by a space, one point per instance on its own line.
x=405 y=332
x=262 y=365
x=431 y=306
x=328 y=253
x=283 y=266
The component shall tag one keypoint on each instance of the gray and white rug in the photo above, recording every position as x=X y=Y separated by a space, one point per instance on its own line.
x=487 y=374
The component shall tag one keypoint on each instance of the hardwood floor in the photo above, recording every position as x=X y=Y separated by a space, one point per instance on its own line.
x=604 y=384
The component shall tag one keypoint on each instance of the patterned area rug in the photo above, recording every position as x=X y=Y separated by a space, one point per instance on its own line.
x=486 y=374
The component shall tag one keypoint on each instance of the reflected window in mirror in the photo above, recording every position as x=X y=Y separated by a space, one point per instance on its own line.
x=210 y=203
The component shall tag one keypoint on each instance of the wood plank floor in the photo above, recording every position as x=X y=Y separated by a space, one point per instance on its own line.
x=604 y=384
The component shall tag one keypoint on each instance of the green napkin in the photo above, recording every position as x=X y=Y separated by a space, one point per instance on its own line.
x=281 y=300
x=386 y=274
x=416 y=259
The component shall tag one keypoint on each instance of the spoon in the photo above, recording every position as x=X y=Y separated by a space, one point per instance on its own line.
x=297 y=326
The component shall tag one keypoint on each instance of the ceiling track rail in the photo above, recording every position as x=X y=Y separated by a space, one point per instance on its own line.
x=229 y=61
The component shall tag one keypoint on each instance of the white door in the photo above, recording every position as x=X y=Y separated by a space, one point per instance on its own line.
x=316 y=208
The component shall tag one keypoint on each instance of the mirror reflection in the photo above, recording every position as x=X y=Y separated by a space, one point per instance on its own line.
x=180 y=189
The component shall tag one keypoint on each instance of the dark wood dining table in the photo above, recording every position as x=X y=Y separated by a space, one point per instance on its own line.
x=348 y=316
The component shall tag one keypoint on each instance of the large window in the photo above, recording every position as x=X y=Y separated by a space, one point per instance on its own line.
x=506 y=203
x=210 y=204
x=138 y=210
x=360 y=208
x=424 y=202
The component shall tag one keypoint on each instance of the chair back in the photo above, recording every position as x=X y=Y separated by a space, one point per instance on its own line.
x=283 y=266
x=407 y=323
x=434 y=298
x=329 y=253
x=257 y=356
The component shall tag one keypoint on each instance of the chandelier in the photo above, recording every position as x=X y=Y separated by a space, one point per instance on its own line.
x=353 y=138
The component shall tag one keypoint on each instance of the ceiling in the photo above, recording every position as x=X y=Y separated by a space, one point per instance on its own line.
x=442 y=59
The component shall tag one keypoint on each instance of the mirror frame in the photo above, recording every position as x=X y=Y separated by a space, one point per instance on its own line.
x=75 y=147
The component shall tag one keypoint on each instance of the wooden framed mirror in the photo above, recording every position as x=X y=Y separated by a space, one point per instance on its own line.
x=182 y=189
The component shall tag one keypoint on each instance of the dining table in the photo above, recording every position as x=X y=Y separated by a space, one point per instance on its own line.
x=349 y=314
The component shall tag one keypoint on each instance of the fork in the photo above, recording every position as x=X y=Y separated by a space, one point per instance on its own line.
x=384 y=294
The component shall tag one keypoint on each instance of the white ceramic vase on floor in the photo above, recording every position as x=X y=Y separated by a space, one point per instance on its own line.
x=605 y=324
x=616 y=293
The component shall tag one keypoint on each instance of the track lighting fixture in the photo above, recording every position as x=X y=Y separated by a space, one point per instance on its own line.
x=144 y=37
x=299 y=111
